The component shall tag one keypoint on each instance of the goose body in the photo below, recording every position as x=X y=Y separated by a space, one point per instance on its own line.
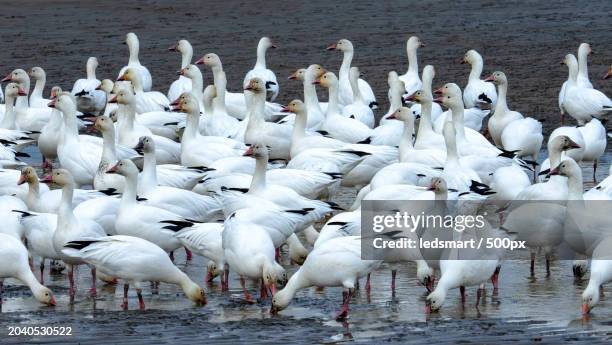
x=411 y=79
x=134 y=62
x=477 y=91
x=182 y=84
x=351 y=90
x=260 y=70
x=89 y=98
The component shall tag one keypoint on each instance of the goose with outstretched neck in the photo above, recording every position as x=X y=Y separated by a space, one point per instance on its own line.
x=260 y=70
x=182 y=84
x=219 y=122
x=36 y=96
x=70 y=228
x=411 y=79
x=477 y=91
x=134 y=62
x=428 y=74
x=346 y=93
x=426 y=137
x=358 y=109
x=8 y=128
x=90 y=99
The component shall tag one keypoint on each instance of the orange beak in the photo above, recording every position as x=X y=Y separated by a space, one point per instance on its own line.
x=22 y=180
x=293 y=76
x=121 y=77
x=46 y=179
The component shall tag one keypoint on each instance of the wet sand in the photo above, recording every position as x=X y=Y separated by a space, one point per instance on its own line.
x=525 y=39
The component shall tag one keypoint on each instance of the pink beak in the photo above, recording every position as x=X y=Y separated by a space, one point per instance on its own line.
x=46 y=179
x=332 y=47
x=200 y=61
x=490 y=78
x=438 y=100
x=22 y=180
x=113 y=100
x=248 y=152
x=285 y=109
x=52 y=103
x=585 y=309
x=21 y=92
x=8 y=77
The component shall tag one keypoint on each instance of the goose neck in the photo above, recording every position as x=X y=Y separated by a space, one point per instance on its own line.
x=192 y=126
x=130 y=190
x=186 y=56
x=33 y=193
x=299 y=129
x=451 y=149
x=109 y=151
x=259 y=176
x=583 y=68
x=91 y=71
x=406 y=145
x=261 y=56
x=501 y=107
x=8 y=121
x=457 y=115
x=310 y=94
x=333 y=106
x=71 y=130
x=148 y=180
x=574 y=184
x=425 y=127
x=345 y=67
x=256 y=114
x=413 y=63
x=134 y=47
x=476 y=70
x=38 y=88
x=65 y=209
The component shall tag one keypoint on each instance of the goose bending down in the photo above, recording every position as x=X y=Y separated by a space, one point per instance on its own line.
x=134 y=260
x=14 y=257
x=79 y=154
x=347 y=94
x=261 y=71
x=70 y=228
x=436 y=110
x=349 y=130
x=250 y=252
x=477 y=91
x=134 y=62
x=182 y=84
x=142 y=220
x=411 y=79
x=89 y=98
x=601 y=273
x=358 y=109
x=196 y=149
x=343 y=254
x=595 y=141
x=129 y=131
x=206 y=240
x=276 y=136
x=185 y=203
x=583 y=103
x=36 y=96
x=50 y=201
x=145 y=101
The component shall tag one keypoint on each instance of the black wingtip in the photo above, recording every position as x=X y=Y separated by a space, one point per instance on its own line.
x=79 y=244
x=177 y=225
x=109 y=191
x=21 y=154
x=23 y=213
x=334 y=206
x=367 y=140
x=302 y=212
x=333 y=175
x=357 y=153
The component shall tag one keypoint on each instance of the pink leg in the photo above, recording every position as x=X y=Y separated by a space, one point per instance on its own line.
x=225 y=279
x=140 y=299
x=42 y=271
x=462 y=290
x=393 y=274
x=188 y=254
x=124 y=305
x=263 y=292
x=247 y=295
x=344 y=309
x=93 y=292
x=429 y=285
x=72 y=290
x=495 y=278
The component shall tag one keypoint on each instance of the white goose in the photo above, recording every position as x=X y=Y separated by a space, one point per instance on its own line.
x=261 y=70
x=134 y=62
x=436 y=110
x=426 y=137
x=36 y=96
x=570 y=169
x=145 y=101
x=316 y=114
x=28 y=118
x=15 y=138
x=90 y=99
x=584 y=50
x=51 y=134
x=358 y=109
x=389 y=131
x=472 y=117
x=182 y=84
x=9 y=186
x=102 y=180
x=595 y=141
x=134 y=260
x=580 y=102
x=576 y=153
x=407 y=152
x=477 y=91
x=411 y=79
x=601 y=273
x=346 y=90
x=343 y=254
x=219 y=122
x=14 y=257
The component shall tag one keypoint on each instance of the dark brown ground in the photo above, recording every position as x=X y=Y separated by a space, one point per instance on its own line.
x=526 y=39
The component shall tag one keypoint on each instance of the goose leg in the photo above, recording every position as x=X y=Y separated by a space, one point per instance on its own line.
x=72 y=289
x=595 y=171
x=92 y=291
x=124 y=305
x=42 y=271
x=344 y=309
x=532 y=264
x=1 y=288
x=462 y=290
x=495 y=278
x=478 y=296
x=188 y=254
x=225 y=278
x=393 y=274
x=368 y=286
x=547 y=265
x=172 y=256
x=140 y=299
x=247 y=295
x=263 y=292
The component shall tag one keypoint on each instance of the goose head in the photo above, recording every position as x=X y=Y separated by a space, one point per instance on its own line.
x=60 y=177
x=590 y=298
x=123 y=96
x=37 y=73
x=414 y=43
x=298 y=75
x=608 y=73
x=327 y=80
x=420 y=96
x=296 y=106
x=567 y=168
x=562 y=143
x=274 y=275
x=92 y=63
x=13 y=90
x=497 y=78
x=344 y=45
x=145 y=145
x=104 y=124
x=193 y=291
x=191 y=71
x=434 y=300
x=44 y=295
x=266 y=42
x=437 y=184
x=281 y=300
x=211 y=60
x=106 y=85
x=402 y=114
x=212 y=270
x=29 y=175
x=181 y=46
x=392 y=77
x=124 y=167
x=131 y=40
x=313 y=72
x=186 y=103
x=450 y=97
x=130 y=74
x=257 y=151
x=63 y=103
x=256 y=85
x=55 y=91
x=448 y=89
x=471 y=57
x=585 y=49
x=18 y=76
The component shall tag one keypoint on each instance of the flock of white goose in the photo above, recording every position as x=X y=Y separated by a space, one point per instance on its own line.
x=232 y=176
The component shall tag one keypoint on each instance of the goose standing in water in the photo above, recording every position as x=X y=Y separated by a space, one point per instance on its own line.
x=89 y=98
x=260 y=70
x=345 y=92
x=477 y=91
x=134 y=62
x=601 y=273
x=182 y=84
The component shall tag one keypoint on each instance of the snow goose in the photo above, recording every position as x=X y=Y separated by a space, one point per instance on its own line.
x=426 y=137
x=11 y=224
x=142 y=220
x=576 y=153
x=276 y=136
x=14 y=258
x=346 y=91
x=601 y=273
x=134 y=260
x=13 y=137
x=193 y=73
x=9 y=186
x=51 y=133
x=261 y=70
x=389 y=132
x=407 y=151
x=145 y=101
x=36 y=96
x=308 y=77
x=219 y=122
x=411 y=79
x=595 y=141
x=70 y=228
x=102 y=180
x=570 y=169
x=584 y=50
x=134 y=62
x=182 y=84
x=477 y=91
x=185 y=203
x=28 y=118
x=454 y=173
x=50 y=201
x=108 y=87
x=349 y=130
x=90 y=99
x=129 y=130
x=358 y=109
x=79 y=154
x=471 y=119
x=341 y=259
x=250 y=252
x=581 y=102
x=436 y=110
